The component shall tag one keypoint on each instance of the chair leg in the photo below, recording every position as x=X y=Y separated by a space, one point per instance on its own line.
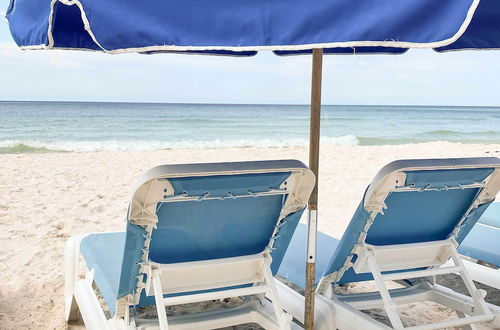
x=88 y=304
x=71 y=276
x=389 y=305
x=284 y=324
x=476 y=295
x=160 y=305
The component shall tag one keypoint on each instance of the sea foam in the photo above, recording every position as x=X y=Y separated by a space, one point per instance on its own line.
x=13 y=146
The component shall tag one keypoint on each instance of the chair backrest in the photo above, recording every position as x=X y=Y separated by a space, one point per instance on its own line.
x=196 y=212
x=414 y=201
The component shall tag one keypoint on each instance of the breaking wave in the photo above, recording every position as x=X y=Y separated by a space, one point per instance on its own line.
x=16 y=147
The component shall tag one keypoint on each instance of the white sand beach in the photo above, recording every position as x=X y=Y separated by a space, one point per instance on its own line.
x=46 y=198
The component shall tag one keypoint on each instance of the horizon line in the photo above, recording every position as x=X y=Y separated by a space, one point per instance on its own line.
x=233 y=103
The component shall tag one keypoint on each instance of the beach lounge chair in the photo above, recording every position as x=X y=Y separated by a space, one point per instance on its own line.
x=409 y=223
x=194 y=233
x=482 y=248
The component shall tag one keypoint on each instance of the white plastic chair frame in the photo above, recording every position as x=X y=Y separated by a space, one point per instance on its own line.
x=344 y=311
x=80 y=295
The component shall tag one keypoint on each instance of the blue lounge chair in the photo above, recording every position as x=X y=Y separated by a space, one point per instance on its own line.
x=409 y=223
x=194 y=233
x=482 y=246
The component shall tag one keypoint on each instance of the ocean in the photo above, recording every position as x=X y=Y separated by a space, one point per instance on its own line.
x=28 y=127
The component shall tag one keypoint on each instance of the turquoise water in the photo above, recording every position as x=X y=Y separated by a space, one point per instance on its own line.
x=70 y=126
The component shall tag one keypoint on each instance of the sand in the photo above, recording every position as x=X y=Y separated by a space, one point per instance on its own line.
x=46 y=198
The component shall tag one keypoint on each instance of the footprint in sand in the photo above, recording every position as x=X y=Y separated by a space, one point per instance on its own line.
x=98 y=209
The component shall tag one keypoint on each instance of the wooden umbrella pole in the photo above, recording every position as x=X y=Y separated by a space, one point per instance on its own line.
x=312 y=223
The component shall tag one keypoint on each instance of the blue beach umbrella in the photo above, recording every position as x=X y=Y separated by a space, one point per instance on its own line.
x=244 y=27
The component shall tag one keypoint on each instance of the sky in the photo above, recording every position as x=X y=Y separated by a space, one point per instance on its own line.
x=419 y=77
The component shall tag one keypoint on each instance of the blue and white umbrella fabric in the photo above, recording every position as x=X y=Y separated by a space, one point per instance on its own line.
x=243 y=27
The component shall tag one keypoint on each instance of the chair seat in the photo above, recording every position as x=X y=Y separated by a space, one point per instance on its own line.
x=292 y=267
x=104 y=253
x=482 y=243
x=491 y=216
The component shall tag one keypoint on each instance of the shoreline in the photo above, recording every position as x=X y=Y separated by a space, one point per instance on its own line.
x=38 y=147
x=27 y=148
x=46 y=198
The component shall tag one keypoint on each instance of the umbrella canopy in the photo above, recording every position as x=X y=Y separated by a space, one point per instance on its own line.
x=483 y=31
x=243 y=27
x=228 y=27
